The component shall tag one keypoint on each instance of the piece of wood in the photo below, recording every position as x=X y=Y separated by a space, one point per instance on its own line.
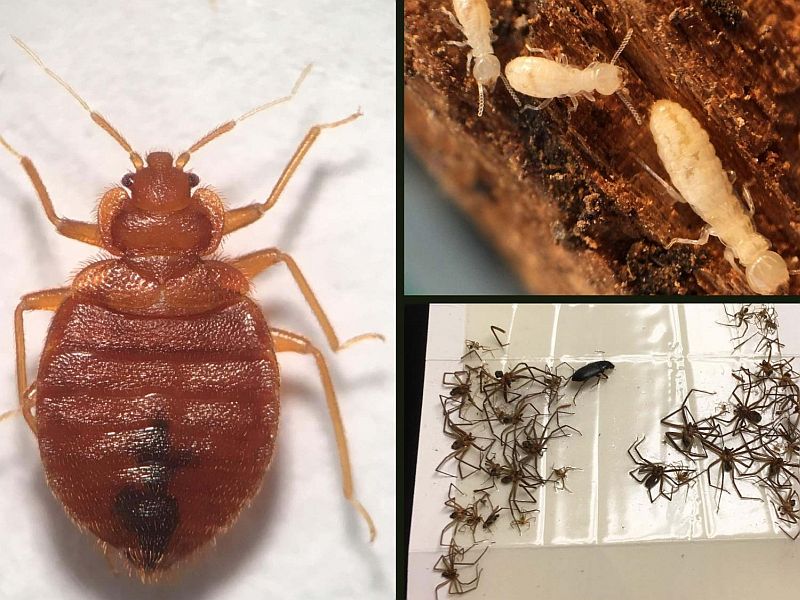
x=561 y=194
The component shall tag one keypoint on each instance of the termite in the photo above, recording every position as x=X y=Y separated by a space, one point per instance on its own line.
x=547 y=78
x=474 y=21
x=696 y=171
x=156 y=403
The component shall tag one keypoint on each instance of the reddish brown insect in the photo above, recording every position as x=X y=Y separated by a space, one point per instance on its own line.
x=156 y=401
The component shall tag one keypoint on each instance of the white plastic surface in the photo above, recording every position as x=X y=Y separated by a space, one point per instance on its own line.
x=164 y=72
x=581 y=542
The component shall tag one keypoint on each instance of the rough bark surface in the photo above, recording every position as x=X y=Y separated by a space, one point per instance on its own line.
x=560 y=193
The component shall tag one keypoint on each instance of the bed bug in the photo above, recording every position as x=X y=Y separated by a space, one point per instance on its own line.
x=696 y=171
x=156 y=403
x=543 y=77
x=474 y=21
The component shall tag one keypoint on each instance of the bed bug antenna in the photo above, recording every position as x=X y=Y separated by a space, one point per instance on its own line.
x=96 y=117
x=183 y=158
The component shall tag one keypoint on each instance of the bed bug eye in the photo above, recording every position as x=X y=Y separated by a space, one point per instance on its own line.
x=193 y=180
x=127 y=180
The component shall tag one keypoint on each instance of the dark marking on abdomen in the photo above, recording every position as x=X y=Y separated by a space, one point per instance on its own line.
x=146 y=508
x=153 y=517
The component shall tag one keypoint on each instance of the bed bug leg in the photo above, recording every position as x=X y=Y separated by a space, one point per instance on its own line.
x=703 y=239
x=254 y=263
x=286 y=341
x=241 y=217
x=9 y=413
x=77 y=230
x=42 y=300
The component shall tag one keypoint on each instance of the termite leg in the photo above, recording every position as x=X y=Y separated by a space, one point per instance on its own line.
x=731 y=258
x=574 y=100
x=254 y=263
x=286 y=341
x=241 y=217
x=748 y=199
x=562 y=59
x=703 y=239
x=544 y=104
x=42 y=300
x=542 y=51
x=453 y=20
x=77 y=230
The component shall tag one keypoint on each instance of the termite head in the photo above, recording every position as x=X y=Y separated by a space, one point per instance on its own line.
x=486 y=70
x=607 y=78
x=767 y=274
x=160 y=187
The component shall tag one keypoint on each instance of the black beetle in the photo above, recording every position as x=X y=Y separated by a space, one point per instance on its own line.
x=595 y=369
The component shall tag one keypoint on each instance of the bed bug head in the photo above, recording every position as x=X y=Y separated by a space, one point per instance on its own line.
x=160 y=186
x=159 y=214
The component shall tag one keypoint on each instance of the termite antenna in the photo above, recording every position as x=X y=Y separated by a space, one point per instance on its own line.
x=626 y=100
x=481 y=100
x=226 y=127
x=510 y=90
x=624 y=43
x=96 y=117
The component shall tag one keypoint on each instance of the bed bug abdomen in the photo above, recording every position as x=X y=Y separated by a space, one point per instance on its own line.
x=155 y=432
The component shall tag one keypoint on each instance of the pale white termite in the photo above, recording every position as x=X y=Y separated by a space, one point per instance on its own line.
x=473 y=19
x=694 y=169
x=547 y=78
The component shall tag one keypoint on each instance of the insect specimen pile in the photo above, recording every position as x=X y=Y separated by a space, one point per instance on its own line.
x=751 y=443
x=501 y=423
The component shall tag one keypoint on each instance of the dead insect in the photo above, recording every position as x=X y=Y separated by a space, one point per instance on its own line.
x=156 y=402
x=594 y=369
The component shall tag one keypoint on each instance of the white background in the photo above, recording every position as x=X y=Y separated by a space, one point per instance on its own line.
x=164 y=73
